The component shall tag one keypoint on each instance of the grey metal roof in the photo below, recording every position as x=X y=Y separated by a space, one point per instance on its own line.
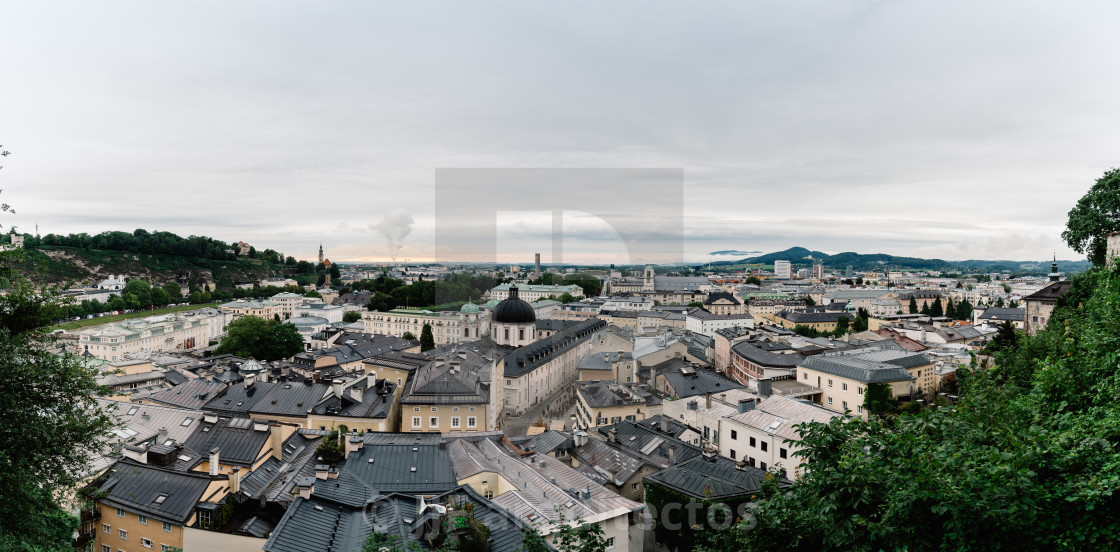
x=686 y=381
x=813 y=316
x=136 y=487
x=530 y=357
x=996 y=313
x=855 y=368
x=606 y=394
x=646 y=439
x=239 y=441
x=458 y=376
x=273 y=479
x=755 y=353
x=404 y=464
x=192 y=394
x=712 y=478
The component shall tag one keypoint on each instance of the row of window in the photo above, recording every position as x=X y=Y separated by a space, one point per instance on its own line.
x=436 y=409
x=844 y=405
x=146 y=543
x=434 y=421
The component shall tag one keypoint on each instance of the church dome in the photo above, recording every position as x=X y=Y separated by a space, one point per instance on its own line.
x=469 y=308
x=514 y=310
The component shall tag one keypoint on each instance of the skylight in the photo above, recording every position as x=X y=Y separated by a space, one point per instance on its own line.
x=187 y=422
x=159 y=499
x=132 y=410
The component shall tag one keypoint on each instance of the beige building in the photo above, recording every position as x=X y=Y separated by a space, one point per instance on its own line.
x=532 y=293
x=454 y=392
x=468 y=324
x=600 y=403
x=267 y=309
x=1040 y=305
x=843 y=377
x=166 y=333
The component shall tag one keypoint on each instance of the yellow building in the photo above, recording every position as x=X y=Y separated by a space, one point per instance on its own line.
x=815 y=318
x=843 y=377
x=456 y=391
x=600 y=403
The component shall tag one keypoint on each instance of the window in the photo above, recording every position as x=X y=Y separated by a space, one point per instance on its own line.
x=734 y=435
x=732 y=454
x=830 y=383
x=166 y=527
x=435 y=409
x=762 y=465
x=509 y=382
x=416 y=421
x=105 y=548
x=844 y=404
x=146 y=543
x=164 y=548
x=433 y=422
x=782 y=452
x=859 y=390
x=507 y=334
x=142 y=519
x=610 y=543
x=805 y=376
x=416 y=409
x=830 y=401
x=122 y=534
x=763 y=446
x=860 y=408
x=471 y=421
x=204 y=518
x=120 y=513
x=752 y=441
x=105 y=528
x=919 y=373
x=454 y=421
x=472 y=409
x=844 y=386
x=455 y=409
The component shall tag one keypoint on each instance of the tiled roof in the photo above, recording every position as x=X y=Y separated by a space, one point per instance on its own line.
x=138 y=488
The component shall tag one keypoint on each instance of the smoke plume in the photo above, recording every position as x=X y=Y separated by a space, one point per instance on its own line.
x=394 y=226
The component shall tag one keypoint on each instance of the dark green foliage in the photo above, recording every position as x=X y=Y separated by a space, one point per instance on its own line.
x=1096 y=215
x=351 y=317
x=427 y=340
x=252 y=336
x=913 y=306
x=1026 y=459
x=381 y=302
x=937 y=309
x=841 y=327
x=878 y=399
x=53 y=419
x=408 y=335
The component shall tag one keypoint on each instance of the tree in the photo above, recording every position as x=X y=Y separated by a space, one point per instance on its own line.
x=280 y=342
x=427 y=340
x=322 y=280
x=913 y=305
x=926 y=310
x=999 y=302
x=696 y=304
x=54 y=420
x=950 y=309
x=382 y=302
x=384 y=542
x=937 y=309
x=1014 y=304
x=809 y=302
x=242 y=336
x=878 y=399
x=351 y=317
x=173 y=291
x=335 y=273
x=1094 y=217
x=841 y=326
x=567 y=297
x=313 y=294
x=408 y=335
x=754 y=280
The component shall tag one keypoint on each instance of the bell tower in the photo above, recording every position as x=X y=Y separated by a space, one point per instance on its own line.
x=320 y=253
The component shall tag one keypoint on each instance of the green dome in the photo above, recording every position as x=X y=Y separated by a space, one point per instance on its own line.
x=469 y=308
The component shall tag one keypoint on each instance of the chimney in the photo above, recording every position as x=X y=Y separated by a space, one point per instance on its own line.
x=214 y=461
x=664 y=425
x=249 y=380
x=746 y=405
x=336 y=387
x=672 y=453
x=139 y=454
x=354 y=443
x=612 y=434
x=304 y=487
x=276 y=440
x=264 y=376
x=356 y=393
x=161 y=438
x=235 y=480
x=708 y=400
x=321 y=471
x=765 y=387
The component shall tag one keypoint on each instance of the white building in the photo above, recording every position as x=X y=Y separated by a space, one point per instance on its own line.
x=167 y=333
x=703 y=322
x=782 y=270
x=534 y=292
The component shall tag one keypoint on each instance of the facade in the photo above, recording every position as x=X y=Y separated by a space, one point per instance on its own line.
x=267 y=310
x=540 y=369
x=165 y=333
x=759 y=433
x=702 y=322
x=528 y=292
x=600 y=403
x=513 y=321
x=722 y=303
x=751 y=361
x=447 y=327
x=782 y=270
x=1039 y=306
x=816 y=318
x=843 y=377
x=453 y=392
x=332 y=313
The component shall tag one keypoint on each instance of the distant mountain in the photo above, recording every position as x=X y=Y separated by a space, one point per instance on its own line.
x=799 y=256
x=733 y=252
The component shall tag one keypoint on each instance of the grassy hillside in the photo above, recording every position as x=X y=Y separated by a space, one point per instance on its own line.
x=80 y=265
x=86 y=322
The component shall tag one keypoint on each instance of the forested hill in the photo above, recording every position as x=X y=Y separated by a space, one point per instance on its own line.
x=159 y=257
x=800 y=256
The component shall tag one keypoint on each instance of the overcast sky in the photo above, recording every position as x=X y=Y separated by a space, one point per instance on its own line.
x=939 y=129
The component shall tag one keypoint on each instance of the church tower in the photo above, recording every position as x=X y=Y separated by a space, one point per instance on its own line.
x=647 y=279
x=320 y=253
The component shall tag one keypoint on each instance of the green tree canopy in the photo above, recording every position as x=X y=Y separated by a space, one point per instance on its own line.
x=427 y=340
x=351 y=317
x=252 y=336
x=1096 y=215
